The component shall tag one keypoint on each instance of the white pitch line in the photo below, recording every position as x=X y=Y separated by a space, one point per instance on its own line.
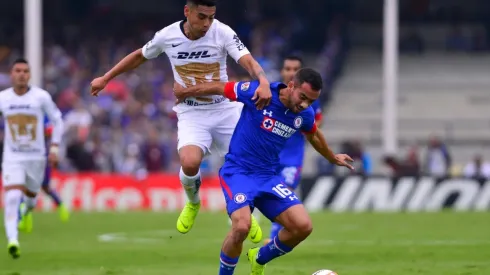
x=158 y=237
x=155 y=237
x=397 y=242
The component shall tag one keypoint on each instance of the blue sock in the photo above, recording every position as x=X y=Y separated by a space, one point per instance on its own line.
x=54 y=195
x=227 y=264
x=271 y=251
x=275 y=228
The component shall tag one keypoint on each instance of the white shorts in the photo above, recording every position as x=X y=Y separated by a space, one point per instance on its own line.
x=29 y=173
x=210 y=130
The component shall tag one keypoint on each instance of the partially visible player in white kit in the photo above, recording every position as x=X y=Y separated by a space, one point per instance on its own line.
x=197 y=48
x=23 y=108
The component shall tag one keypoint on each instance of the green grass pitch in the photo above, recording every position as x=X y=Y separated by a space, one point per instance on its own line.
x=351 y=244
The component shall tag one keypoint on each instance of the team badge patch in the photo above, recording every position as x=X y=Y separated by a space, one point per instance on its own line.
x=245 y=86
x=240 y=198
x=267 y=124
x=298 y=121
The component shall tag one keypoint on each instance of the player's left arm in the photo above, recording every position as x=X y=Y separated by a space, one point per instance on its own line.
x=239 y=52
x=54 y=116
x=318 y=141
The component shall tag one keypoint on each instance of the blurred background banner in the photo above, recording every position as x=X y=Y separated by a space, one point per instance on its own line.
x=406 y=85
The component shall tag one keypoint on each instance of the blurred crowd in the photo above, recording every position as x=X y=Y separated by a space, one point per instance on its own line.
x=435 y=160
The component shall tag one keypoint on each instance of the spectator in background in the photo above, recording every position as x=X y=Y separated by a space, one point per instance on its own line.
x=438 y=159
x=477 y=168
x=81 y=159
x=412 y=164
x=154 y=153
x=362 y=161
x=456 y=41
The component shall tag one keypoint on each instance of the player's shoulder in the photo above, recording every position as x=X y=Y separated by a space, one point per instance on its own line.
x=6 y=92
x=40 y=94
x=218 y=25
x=308 y=112
x=248 y=85
x=221 y=29
x=169 y=31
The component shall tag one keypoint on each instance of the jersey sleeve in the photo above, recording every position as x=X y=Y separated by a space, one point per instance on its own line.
x=242 y=91
x=309 y=125
x=54 y=115
x=317 y=109
x=157 y=45
x=233 y=45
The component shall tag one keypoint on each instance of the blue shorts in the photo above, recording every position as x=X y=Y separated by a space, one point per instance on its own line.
x=47 y=176
x=291 y=176
x=268 y=194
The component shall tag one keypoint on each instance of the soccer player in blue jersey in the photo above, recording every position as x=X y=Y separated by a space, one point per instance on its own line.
x=249 y=176
x=25 y=223
x=291 y=157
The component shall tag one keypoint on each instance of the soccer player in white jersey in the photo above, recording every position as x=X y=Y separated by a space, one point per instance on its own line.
x=197 y=48
x=23 y=108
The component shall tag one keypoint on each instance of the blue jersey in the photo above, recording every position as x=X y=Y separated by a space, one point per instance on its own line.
x=261 y=135
x=294 y=151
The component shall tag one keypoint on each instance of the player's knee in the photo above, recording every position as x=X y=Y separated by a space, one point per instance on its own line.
x=241 y=227
x=302 y=229
x=190 y=164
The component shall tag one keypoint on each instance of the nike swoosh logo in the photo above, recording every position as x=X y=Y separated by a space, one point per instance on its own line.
x=253 y=237
x=176 y=45
x=185 y=226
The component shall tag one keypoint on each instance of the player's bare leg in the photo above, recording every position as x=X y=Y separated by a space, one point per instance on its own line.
x=190 y=178
x=297 y=227
x=12 y=198
x=233 y=244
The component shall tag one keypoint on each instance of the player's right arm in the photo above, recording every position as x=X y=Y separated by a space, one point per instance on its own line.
x=152 y=49
x=235 y=91
x=318 y=141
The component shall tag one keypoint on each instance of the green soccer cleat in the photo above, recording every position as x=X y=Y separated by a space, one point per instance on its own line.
x=13 y=249
x=255 y=233
x=187 y=217
x=25 y=224
x=64 y=213
x=257 y=269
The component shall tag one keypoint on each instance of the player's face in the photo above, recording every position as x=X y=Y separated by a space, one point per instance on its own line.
x=301 y=97
x=200 y=19
x=289 y=69
x=20 y=75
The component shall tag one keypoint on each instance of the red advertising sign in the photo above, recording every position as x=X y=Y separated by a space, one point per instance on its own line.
x=106 y=192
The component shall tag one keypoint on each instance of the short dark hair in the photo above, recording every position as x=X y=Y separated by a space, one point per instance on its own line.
x=294 y=58
x=207 y=3
x=309 y=76
x=20 y=61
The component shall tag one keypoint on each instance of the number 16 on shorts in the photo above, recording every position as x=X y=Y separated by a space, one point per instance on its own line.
x=284 y=192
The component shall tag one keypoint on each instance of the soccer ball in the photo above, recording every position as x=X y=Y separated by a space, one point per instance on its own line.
x=324 y=272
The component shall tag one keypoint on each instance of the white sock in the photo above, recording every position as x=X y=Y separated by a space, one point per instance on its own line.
x=11 y=208
x=191 y=186
x=30 y=203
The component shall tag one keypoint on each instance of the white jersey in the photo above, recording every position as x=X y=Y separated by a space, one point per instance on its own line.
x=197 y=61
x=24 y=123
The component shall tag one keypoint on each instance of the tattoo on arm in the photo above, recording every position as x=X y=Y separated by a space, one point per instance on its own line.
x=261 y=73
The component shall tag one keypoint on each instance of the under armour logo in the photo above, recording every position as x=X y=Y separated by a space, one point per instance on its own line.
x=265 y=113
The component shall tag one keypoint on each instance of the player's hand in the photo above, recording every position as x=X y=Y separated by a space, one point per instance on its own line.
x=97 y=85
x=344 y=160
x=179 y=93
x=53 y=159
x=263 y=95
